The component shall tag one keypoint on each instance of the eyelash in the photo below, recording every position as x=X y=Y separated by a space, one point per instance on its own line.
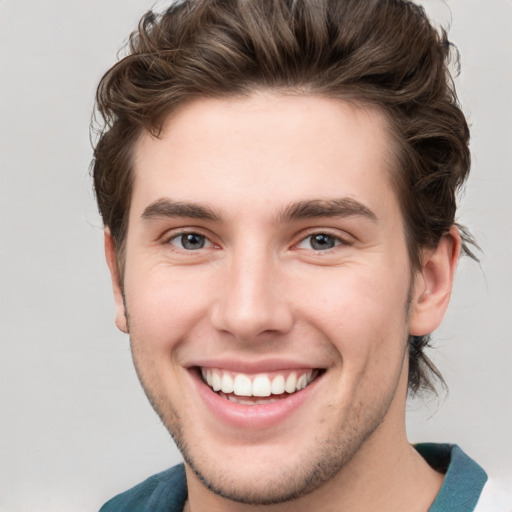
x=336 y=239
x=206 y=241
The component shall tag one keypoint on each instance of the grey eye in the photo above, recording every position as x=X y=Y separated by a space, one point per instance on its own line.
x=322 y=242
x=189 y=241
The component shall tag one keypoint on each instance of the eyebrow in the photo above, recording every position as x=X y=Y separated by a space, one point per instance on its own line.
x=163 y=208
x=343 y=207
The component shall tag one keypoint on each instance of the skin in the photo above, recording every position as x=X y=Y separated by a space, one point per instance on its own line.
x=258 y=293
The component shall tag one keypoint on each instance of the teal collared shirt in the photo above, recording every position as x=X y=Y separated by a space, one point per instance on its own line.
x=463 y=484
x=464 y=478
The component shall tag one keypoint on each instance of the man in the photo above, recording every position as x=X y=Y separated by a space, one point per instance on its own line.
x=277 y=182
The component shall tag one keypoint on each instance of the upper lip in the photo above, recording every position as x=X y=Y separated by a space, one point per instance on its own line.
x=253 y=367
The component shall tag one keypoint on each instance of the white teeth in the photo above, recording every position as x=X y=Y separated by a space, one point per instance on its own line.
x=243 y=385
x=216 y=381
x=291 y=382
x=262 y=385
x=242 y=401
x=227 y=383
x=277 y=387
x=238 y=400
x=301 y=382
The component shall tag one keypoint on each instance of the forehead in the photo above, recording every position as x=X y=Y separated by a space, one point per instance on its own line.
x=264 y=151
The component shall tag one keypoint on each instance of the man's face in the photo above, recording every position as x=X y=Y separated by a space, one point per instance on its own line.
x=265 y=252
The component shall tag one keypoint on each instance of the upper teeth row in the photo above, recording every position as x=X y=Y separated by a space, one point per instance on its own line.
x=261 y=385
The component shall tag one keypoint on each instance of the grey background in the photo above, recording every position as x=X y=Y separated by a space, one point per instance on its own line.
x=75 y=427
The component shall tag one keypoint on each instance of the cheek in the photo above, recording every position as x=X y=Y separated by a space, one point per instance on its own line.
x=362 y=312
x=163 y=306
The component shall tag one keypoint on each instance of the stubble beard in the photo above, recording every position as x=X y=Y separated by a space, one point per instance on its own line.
x=311 y=472
x=300 y=477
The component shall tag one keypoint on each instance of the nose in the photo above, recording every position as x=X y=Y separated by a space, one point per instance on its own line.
x=251 y=301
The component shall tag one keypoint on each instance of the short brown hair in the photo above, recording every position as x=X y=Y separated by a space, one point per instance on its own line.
x=382 y=53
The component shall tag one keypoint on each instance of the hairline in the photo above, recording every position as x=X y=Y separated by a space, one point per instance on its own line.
x=394 y=161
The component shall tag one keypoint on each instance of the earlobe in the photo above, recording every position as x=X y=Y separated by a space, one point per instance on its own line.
x=110 y=255
x=433 y=284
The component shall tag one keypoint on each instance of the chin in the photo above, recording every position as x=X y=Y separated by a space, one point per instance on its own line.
x=260 y=487
x=264 y=476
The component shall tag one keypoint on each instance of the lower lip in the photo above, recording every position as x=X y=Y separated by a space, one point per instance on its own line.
x=252 y=417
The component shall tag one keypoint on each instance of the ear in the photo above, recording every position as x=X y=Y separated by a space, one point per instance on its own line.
x=433 y=284
x=110 y=255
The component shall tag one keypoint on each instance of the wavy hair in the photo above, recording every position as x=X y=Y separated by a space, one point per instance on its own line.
x=381 y=53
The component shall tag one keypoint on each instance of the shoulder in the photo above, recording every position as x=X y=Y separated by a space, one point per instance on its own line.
x=164 y=491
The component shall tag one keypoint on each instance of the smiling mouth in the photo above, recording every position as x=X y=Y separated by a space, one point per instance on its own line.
x=257 y=389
